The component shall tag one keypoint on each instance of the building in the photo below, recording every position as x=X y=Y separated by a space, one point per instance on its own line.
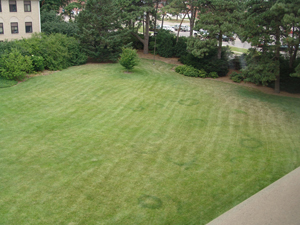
x=19 y=19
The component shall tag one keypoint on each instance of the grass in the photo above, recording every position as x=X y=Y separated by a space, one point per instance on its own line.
x=240 y=50
x=94 y=145
x=4 y=83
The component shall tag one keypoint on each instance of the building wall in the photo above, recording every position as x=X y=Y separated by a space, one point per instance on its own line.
x=21 y=17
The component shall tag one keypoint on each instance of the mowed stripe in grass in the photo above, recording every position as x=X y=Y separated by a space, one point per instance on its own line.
x=94 y=145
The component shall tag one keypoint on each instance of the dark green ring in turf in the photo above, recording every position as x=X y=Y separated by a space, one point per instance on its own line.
x=150 y=202
x=188 y=102
x=138 y=109
x=251 y=143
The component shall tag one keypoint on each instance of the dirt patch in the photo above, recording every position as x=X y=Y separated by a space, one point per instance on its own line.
x=226 y=79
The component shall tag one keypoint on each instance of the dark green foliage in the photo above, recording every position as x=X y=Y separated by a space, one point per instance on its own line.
x=135 y=43
x=209 y=63
x=260 y=68
x=48 y=5
x=238 y=62
x=202 y=73
x=57 y=51
x=52 y=23
x=213 y=75
x=128 y=58
x=37 y=63
x=190 y=71
x=237 y=77
x=14 y=66
x=180 y=47
x=100 y=31
x=165 y=41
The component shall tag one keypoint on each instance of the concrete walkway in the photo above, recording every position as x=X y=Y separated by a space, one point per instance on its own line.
x=277 y=204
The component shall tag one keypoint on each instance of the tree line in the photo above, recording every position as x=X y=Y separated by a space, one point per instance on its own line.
x=103 y=27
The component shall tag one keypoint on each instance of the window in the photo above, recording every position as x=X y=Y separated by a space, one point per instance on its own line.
x=1 y=28
x=28 y=27
x=0 y=6
x=27 y=6
x=12 y=6
x=14 y=28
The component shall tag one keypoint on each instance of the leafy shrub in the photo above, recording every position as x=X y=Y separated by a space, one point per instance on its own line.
x=37 y=63
x=57 y=50
x=14 y=66
x=209 y=63
x=213 y=75
x=180 y=47
x=187 y=71
x=202 y=73
x=237 y=77
x=129 y=58
x=165 y=42
x=179 y=69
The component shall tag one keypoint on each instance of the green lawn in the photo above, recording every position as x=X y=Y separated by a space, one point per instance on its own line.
x=94 y=145
x=239 y=50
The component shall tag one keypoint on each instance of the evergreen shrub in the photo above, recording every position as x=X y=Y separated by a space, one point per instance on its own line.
x=129 y=58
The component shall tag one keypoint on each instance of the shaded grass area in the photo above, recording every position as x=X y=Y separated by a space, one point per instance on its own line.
x=93 y=145
x=4 y=83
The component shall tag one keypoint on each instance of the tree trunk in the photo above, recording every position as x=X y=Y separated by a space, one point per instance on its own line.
x=146 y=36
x=145 y=41
x=192 y=20
x=162 y=21
x=277 y=55
x=220 y=45
x=180 y=28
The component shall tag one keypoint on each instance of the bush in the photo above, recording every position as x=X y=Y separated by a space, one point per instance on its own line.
x=237 y=77
x=14 y=66
x=180 y=47
x=202 y=73
x=213 y=75
x=165 y=42
x=209 y=63
x=37 y=63
x=190 y=71
x=128 y=58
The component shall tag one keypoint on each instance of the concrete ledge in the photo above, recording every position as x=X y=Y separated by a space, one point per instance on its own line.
x=277 y=204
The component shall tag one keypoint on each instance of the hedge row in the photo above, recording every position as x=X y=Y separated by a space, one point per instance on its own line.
x=193 y=72
x=52 y=52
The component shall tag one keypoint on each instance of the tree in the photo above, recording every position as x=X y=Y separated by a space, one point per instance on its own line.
x=291 y=22
x=129 y=58
x=263 y=26
x=52 y=23
x=100 y=30
x=134 y=14
x=49 y=5
x=68 y=10
x=219 y=18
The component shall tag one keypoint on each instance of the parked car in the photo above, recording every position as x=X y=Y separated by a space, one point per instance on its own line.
x=176 y=27
x=185 y=28
x=225 y=38
x=167 y=27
